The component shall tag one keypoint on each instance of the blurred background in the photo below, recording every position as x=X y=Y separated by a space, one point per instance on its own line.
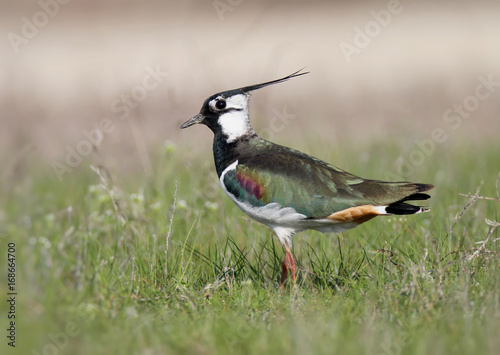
x=379 y=70
x=396 y=90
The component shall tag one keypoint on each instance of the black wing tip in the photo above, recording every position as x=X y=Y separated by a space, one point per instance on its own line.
x=401 y=208
x=416 y=197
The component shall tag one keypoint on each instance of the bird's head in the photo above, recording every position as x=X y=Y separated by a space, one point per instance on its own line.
x=227 y=111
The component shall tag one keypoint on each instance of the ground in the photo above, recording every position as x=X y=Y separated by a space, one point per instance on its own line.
x=124 y=265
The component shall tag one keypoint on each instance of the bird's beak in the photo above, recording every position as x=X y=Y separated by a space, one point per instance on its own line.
x=194 y=120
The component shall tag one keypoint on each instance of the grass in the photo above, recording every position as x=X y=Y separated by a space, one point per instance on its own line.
x=167 y=264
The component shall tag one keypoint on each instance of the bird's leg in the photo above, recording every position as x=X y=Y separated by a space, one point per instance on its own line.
x=284 y=273
x=287 y=265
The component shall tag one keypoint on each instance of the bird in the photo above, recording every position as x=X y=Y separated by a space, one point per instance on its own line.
x=287 y=190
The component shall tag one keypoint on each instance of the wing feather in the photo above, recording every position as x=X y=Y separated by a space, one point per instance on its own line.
x=309 y=185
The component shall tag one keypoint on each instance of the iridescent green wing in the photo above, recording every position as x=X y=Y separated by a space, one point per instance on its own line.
x=309 y=185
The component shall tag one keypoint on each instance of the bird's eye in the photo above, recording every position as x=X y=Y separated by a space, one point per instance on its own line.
x=220 y=104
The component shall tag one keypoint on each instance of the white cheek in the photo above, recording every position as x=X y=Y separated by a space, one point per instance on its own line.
x=238 y=101
x=234 y=124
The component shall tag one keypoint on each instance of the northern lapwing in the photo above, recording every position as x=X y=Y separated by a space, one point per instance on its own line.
x=287 y=190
